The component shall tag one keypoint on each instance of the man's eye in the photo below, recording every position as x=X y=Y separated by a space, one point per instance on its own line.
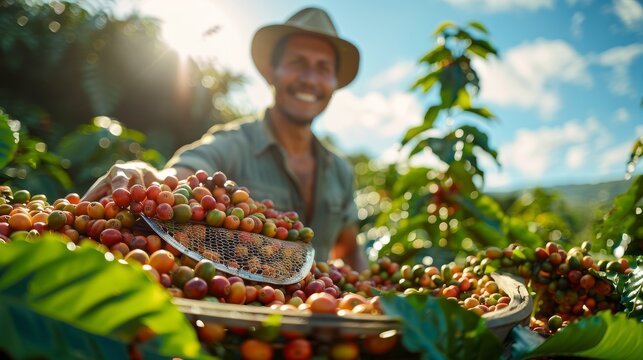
x=325 y=69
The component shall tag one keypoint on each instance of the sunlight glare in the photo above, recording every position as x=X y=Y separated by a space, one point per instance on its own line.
x=200 y=29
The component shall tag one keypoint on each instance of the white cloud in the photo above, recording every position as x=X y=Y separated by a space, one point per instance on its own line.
x=630 y=12
x=619 y=59
x=496 y=180
x=614 y=158
x=577 y=21
x=369 y=123
x=622 y=115
x=494 y=176
x=575 y=157
x=396 y=73
x=502 y=5
x=534 y=152
x=527 y=75
x=639 y=130
x=396 y=155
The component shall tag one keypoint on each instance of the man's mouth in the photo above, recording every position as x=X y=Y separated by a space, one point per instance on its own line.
x=305 y=97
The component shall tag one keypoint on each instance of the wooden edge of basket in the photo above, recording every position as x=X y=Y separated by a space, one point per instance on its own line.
x=499 y=322
x=251 y=316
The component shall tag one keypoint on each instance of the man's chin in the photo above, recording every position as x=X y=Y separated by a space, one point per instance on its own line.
x=300 y=120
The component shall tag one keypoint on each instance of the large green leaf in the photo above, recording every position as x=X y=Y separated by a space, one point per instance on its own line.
x=603 y=336
x=8 y=145
x=630 y=287
x=440 y=329
x=77 y=302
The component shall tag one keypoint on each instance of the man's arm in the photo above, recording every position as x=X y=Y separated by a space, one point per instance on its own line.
x=347 y=249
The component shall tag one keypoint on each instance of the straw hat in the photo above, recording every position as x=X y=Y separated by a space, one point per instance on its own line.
x=312 y=21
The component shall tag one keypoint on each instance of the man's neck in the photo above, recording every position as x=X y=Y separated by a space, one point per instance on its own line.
x=296 y=139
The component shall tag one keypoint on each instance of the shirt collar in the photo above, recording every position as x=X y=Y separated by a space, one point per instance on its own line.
x=263 y=138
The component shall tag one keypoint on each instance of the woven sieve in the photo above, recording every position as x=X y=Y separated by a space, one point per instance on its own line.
x=248 y=255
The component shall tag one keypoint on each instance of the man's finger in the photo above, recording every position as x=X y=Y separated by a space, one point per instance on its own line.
x=120 y=180
x=96 y=192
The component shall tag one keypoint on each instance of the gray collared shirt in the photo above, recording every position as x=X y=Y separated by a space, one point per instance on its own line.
x=247 y=152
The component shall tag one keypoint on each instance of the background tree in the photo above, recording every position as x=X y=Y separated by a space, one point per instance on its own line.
x=64 y=63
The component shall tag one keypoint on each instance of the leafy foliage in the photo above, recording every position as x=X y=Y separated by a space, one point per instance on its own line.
x=441 y=207
x=28 y=164
x=599 y=337
x=623 y=224
x=635 y=156
x=76 y=161
x=440 y=329
x=104 y=142
x=630 y=287
x=8 y=144
x=65 y=63
x=77 y=302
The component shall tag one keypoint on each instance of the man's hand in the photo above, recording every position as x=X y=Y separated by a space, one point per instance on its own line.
x=121 y=176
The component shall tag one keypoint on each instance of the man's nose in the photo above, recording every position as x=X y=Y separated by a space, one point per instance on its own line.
x=309 y=74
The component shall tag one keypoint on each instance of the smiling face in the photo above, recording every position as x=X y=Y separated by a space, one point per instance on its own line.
x=304 y=78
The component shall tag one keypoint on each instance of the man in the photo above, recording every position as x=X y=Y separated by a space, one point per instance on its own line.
x=277 y=156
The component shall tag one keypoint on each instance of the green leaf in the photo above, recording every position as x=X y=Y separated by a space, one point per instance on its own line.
x=8 y=145
x=443 y=148
x=630 y=287
x=429 y=119
x=269 y=329
x=478 y=138
x=483 y=112
x=635 y=155
x=463 y=35
x=414 y=131
x=602 y=336
x=440 y=328
x=412 y=180
x=478 y=25
x=427 y=81
x=481 y=48
x=443 y=26
x=452 y=79
x=44 y=284
x=460 y=175
x=418 y=147
x=436 y=55
x=463 y=100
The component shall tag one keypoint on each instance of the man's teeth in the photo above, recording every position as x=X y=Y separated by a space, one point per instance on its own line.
x=306 y=97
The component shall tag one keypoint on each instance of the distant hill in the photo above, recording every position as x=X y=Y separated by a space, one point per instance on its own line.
x=577 y=196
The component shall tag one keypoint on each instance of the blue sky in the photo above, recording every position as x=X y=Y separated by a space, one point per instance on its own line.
x=567 y=87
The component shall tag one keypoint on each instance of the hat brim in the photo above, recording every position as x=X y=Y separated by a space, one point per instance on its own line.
x=267 y=37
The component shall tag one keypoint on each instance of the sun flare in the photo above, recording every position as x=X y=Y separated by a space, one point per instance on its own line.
x=199 y=29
